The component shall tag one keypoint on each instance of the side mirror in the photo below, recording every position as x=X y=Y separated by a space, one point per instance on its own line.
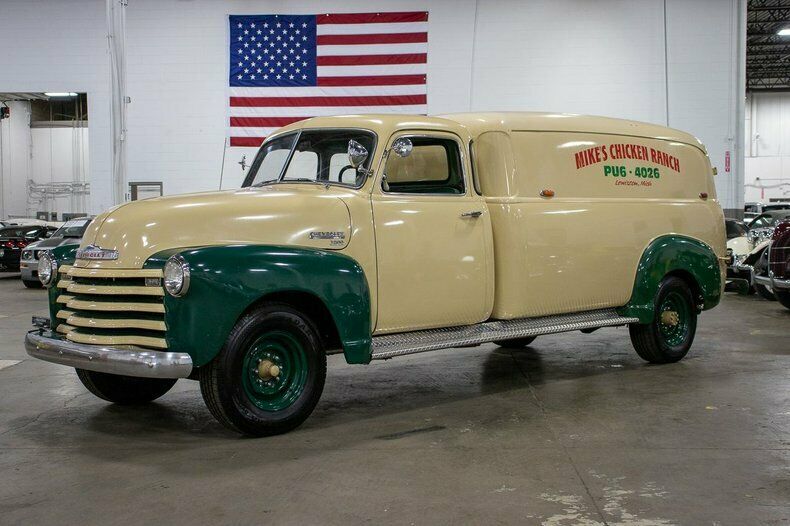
x=402 y=147
x=356 y=153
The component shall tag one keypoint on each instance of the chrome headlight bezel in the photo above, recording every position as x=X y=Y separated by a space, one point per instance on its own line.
x=47 y=269
x=175 y=276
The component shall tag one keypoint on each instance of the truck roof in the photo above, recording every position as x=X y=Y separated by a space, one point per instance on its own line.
x=476 y=123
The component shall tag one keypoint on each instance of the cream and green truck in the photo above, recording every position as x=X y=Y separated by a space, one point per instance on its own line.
x=377 y=236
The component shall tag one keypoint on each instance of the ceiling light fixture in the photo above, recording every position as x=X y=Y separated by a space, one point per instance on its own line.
x=60 y=94
x=784 y=32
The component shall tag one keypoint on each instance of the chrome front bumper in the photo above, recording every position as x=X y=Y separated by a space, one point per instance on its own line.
x=772 y=282
x=129 y=361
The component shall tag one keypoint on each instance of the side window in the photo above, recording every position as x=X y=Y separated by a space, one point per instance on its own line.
x=432 y=167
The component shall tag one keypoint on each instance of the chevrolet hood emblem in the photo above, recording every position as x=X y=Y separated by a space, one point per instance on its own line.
x=94 y=252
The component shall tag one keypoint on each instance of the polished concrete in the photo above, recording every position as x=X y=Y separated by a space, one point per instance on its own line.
x=575 y=430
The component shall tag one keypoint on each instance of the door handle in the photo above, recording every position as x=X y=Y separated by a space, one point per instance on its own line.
x=473 y=214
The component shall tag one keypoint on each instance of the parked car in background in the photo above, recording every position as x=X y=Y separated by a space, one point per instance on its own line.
x=738 y=247
x=14 y=238
x=69 y=234
x=761 y=228
x=778 y=256
x=755 y=264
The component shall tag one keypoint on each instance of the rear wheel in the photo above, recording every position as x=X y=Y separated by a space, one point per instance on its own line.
x=124 y=390
x=765 y=292
x=516 y=343
x=670 y=335
x=784 y=297
x=269 y=375
x=31 y=284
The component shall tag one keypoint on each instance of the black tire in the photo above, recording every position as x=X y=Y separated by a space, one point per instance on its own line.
x=765 y=292
x=516 y=343
x=658 y=342
x=783 y=296
x=235 y=395
x=32 y=284
x=124 y=390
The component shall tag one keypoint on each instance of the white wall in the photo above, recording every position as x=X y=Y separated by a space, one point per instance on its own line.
x=61 y=45
x=768 y=152
x=607 y=57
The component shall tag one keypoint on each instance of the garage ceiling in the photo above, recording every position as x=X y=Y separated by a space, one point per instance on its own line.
x=767 y=53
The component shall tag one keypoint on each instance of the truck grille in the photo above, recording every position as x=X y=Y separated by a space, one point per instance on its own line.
x=111 y=307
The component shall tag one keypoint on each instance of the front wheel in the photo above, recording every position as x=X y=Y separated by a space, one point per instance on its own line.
x=124 y=390
x=670 y=335
x=784 y=297
x=268 y=377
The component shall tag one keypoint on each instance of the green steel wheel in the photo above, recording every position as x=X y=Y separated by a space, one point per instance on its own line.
x=669 y=336
x=269 y=375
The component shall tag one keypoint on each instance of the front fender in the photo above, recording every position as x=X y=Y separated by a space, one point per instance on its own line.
x=674 y=254
x=226 y=280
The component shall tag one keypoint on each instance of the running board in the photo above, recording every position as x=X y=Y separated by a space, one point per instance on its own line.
x=392 y=345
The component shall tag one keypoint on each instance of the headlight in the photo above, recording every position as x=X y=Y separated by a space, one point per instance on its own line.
x=47 y=269
x=27 y=254
x=176 y=276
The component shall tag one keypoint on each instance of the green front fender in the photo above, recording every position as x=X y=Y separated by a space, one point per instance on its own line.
x=674 y=254
x=226 y=280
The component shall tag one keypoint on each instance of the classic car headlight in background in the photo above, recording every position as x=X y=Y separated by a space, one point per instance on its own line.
x=176 y=274
x=27 y=254
x=47 y=269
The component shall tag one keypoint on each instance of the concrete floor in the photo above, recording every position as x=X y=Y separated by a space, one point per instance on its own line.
x=575 y=430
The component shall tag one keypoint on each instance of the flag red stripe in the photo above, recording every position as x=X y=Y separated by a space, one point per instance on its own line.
x=367 y=60
x=378 y=80
x=372 y=18
x=376 y=38
x=246 y=141
x=383 y=100
x=264 y=122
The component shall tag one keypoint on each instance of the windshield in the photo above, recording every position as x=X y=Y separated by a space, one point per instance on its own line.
x=311 y=156
x=20 y=231
x=73 y=228
x=735 y=229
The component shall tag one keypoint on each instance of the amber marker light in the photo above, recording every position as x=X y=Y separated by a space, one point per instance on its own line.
x=547 y=192
x=703 y=195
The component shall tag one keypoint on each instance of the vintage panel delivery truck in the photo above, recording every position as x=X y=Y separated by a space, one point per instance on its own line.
x=377 y=236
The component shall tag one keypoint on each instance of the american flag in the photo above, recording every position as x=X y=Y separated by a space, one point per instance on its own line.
x=285 y=68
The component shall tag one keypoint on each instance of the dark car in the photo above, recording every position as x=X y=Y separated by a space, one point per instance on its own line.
x=69 y=234
x=778 y=275
x=14 y=238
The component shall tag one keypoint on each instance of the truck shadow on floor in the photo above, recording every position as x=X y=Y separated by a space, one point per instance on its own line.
x=359 y=404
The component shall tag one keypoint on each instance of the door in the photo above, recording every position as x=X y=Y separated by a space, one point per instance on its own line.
x=433 y=237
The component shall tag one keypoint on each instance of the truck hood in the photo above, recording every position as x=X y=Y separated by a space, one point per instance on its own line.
x=284 y=214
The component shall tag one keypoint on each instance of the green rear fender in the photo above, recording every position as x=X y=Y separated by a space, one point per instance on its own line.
x=225 y=281
x=686 y=257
